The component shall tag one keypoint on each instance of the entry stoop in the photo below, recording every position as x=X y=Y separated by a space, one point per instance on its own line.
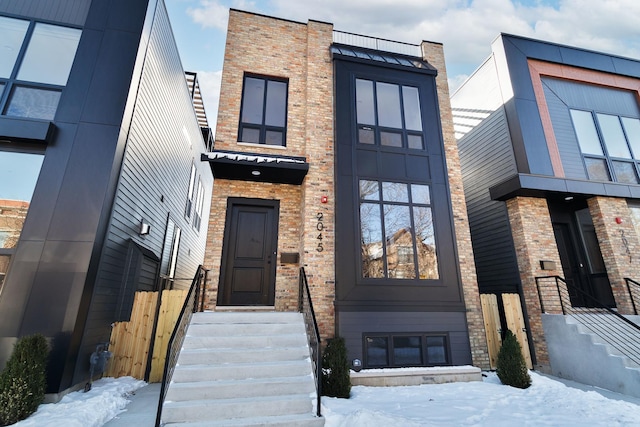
x=243 y=369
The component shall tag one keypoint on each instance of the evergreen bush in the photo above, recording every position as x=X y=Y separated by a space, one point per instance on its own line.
x=511 y=366
x=336 y=381
x=23 y=380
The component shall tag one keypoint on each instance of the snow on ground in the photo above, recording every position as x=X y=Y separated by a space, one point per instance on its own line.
x=547 y=402
x=107 y=398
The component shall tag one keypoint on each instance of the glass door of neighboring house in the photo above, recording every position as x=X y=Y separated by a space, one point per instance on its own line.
x=582 y=263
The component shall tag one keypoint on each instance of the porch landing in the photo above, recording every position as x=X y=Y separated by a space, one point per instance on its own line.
x=390 y=377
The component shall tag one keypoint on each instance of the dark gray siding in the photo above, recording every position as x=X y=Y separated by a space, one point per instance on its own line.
x=73 y=12
x=163 y=141
x=486 y=159
x=354 y=324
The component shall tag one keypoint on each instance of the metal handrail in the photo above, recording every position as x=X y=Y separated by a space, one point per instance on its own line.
x=627 y=337
x=305 y=306
x=190 y=306
x=630 y=282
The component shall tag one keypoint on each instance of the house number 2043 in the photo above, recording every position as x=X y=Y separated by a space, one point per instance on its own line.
x=319 y=227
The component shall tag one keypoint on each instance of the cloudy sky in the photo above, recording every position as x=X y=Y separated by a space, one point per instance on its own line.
x=465 y=27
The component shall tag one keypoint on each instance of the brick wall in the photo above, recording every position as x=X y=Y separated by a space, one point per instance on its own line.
x=300 y=53
x=619 y=245
x=534 y=241
x=434 y=54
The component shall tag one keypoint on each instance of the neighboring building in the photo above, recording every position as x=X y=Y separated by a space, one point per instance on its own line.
x=549 y=140
x=99 y=140
x=341 y=158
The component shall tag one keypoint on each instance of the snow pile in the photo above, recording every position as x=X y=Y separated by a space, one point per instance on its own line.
x=105 y=400
x=487 y=403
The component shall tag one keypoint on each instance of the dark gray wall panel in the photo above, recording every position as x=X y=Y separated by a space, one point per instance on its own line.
x=353 y=325
x=73 y=12
x=486 y=160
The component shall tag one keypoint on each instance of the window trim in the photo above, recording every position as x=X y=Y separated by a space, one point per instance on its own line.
x=263 y=128
x=390 y=348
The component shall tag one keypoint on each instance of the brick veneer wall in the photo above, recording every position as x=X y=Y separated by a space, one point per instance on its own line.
x=619 y=245
x=299 y=52
x=434 y=54
x=534 y=241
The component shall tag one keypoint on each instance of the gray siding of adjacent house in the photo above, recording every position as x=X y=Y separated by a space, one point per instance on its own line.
x=486 y=158
x=72 y=12
x=164 y=140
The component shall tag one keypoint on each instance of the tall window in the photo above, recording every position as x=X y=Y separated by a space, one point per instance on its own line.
x=388 y=114
x=610 y=145
x=35 y=61
x=397 y=231
x=190 y=195
x=263 y=116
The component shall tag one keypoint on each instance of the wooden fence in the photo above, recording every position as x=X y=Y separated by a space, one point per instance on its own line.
x=131 y=341
x=493 y=326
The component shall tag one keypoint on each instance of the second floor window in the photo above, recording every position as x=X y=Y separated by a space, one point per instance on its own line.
x=263 y=115
x=388 y=114
x=610 y=145
x=35 y=61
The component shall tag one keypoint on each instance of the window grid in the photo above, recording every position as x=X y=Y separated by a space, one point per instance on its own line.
x=388 y=115
x=263 y=113
x=397 y=234
x=398 y=350
x=33 y=96
x=609 y=145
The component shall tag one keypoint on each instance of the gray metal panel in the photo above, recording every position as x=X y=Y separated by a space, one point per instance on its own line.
x=73 y=12
x=486 y=159
x=352 y=325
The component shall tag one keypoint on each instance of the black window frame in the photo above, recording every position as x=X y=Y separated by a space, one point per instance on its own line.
x=378 y=129
x=8 y=85
x=390 y=357
x=263 y=128
x=609 y=160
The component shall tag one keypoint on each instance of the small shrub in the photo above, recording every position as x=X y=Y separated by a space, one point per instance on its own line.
x=23 y=380
x=511 y=367
x=336 y=381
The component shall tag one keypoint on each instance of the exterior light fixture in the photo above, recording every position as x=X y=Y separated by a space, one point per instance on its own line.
x=356 y=364
x=256 y=173
x=568 y=198
x=144 y=228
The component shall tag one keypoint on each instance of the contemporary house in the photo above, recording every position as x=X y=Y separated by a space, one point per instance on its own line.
x=102 y=191
x=549 y=141
x=335 y=152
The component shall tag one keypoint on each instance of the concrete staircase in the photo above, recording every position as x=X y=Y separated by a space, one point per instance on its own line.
x=577 y=353
x=243 y=369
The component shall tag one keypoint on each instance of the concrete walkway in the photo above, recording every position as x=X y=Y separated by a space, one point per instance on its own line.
x=141 y=412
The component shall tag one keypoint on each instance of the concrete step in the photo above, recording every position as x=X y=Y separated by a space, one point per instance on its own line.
x=300 y=420
x=228 y=389
x=239 y=371
x=228 y=409
x=245 y=342
x=246 y=317
x=243 y=329
x=198 y=356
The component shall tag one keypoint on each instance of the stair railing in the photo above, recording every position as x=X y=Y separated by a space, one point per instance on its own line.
x=305 y=306
x=192 y=304
x=634 y=292
x=613 y=328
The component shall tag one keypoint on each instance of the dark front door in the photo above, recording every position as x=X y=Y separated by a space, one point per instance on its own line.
x=249 y=253
x=582 y=262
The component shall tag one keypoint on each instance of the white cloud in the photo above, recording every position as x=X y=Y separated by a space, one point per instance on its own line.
x=210 y=14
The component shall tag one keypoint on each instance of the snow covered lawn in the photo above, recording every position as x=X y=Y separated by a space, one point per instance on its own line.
x=487 y=403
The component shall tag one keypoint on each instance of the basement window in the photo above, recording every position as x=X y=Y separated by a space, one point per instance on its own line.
x=405 y=350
